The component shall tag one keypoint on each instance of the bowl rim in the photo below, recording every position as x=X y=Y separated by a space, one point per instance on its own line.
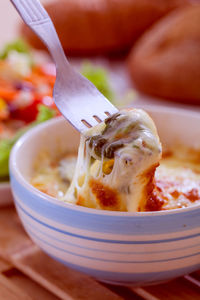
x=23 y=182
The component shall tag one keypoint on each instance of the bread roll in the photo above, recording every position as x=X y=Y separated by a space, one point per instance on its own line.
x=166 y=60
x=102 y=26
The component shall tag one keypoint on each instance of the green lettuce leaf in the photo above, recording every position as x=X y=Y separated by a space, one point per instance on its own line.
x=45 y=113
x=99 y=77
x=18 y=45
x=5 y=148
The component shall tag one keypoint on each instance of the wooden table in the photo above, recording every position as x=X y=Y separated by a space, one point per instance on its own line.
x=27 y=273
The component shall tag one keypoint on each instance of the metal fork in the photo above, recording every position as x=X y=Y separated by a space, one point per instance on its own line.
x=77 y=98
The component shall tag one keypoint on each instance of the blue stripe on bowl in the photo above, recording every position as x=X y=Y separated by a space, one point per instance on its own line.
x=36 y=229
x=109 y=260
x=107 y=240
x=130 y=278
x=125 y=224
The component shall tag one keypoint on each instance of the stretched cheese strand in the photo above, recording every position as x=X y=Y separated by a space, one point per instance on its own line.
x=116 y=163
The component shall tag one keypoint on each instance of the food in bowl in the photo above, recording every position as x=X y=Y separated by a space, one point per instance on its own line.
x=116 y=163
x=127 y=248
x=117 y=169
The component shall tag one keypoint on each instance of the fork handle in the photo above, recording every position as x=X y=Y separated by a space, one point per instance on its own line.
x=46 y=31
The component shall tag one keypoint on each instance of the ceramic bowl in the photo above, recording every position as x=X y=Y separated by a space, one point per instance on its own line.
x=116 y=247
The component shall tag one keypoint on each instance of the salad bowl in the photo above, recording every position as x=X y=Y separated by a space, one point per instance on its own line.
x=136 y=249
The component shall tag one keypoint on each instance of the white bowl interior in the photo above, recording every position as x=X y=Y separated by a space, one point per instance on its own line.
x=176 y=126
x=55 y=137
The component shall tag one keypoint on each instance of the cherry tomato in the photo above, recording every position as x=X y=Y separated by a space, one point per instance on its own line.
x=27 y=113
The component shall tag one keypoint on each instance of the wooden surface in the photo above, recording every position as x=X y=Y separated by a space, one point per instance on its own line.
x=27 y=273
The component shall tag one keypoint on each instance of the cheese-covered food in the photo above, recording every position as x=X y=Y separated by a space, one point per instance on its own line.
x=116 y=163
x=119 y=167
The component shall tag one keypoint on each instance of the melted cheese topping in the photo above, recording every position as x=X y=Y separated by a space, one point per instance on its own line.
x=177 y=181
x=116 y=163
x=178 y=187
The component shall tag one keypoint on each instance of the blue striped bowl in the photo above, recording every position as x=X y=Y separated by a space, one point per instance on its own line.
x=116 y=247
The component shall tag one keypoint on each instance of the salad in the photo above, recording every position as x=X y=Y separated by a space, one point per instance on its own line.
x=25 y=97
x=26 y=88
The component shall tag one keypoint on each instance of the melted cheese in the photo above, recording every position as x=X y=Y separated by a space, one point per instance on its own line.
x=177 y=181
x=178 y=187
x=116 y=163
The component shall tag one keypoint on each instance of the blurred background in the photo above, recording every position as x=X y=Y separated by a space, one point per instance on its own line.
x=9 y=22
x=149 y=49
